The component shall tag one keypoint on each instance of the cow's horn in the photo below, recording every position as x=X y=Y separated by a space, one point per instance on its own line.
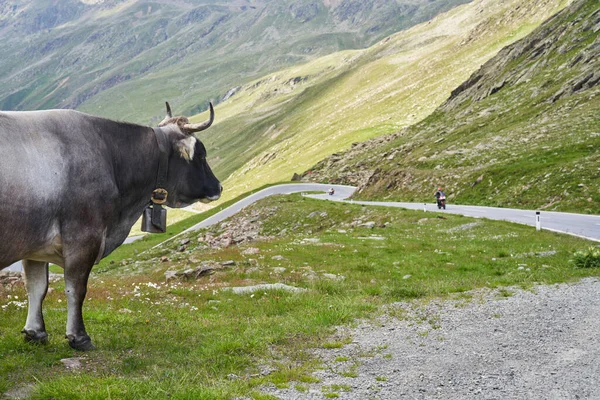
x=203 y=125
x=168 y=117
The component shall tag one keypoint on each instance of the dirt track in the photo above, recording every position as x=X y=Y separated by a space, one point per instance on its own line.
x=539 y=344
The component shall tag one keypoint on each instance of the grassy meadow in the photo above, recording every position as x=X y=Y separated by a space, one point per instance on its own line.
x=190 y=339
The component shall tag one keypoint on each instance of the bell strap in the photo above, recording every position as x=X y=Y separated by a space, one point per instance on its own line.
x=160 y=194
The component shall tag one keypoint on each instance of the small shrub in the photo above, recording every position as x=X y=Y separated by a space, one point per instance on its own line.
x=589 y=258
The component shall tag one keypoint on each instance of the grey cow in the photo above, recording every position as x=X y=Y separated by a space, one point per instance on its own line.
x=71 y=187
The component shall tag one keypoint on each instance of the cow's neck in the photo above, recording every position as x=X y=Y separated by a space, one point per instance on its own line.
x=136 y=165
x=138 y=168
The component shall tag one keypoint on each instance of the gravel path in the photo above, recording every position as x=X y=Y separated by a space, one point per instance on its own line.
x=539 y=344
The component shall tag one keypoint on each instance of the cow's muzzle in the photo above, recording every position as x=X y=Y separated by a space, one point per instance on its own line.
x=210 y=198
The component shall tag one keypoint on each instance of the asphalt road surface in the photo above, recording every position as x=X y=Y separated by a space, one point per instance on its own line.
x=582 y=225
x=586 y=226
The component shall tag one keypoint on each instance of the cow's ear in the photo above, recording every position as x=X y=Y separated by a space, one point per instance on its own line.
x=185 y=147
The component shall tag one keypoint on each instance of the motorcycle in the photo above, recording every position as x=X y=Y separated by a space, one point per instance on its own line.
x=441 y=202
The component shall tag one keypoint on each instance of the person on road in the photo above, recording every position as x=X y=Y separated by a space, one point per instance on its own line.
x=439 y=193
x=331 y=191
x=440 y=198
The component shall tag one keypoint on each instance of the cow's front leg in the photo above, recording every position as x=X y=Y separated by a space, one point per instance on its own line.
x=36 y=281
x=77 y=271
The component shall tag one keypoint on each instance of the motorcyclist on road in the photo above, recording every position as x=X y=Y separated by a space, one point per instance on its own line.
x=439 y=196
x=331 y=191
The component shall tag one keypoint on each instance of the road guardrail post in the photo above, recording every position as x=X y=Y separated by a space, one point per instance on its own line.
x=538 y=223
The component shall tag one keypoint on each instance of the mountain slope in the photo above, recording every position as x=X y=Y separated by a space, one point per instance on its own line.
x=288 y=121
x=523 y=131
x=123 y=58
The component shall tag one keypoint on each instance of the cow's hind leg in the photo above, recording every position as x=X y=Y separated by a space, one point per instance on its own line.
x=36 y=281
x=77 y=271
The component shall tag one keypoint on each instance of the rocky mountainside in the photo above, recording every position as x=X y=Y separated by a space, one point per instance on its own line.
x=286 y=122
x=522 y=131
x=122 y=59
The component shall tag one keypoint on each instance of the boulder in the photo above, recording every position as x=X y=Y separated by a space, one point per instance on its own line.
x=251 y=250
x=263 y=287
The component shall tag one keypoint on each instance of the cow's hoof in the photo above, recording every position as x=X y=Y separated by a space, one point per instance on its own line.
x=82 y=343
x=35 y=336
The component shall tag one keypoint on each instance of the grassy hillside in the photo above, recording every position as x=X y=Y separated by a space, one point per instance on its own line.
x=288 y=121
x=123 y=58
x=188 y=337
x=523 y=131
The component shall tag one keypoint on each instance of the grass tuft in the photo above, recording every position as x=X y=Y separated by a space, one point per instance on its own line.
x=588 y=258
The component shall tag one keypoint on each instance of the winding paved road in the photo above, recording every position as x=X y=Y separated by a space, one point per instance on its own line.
x=585 y=226
x=581 y=225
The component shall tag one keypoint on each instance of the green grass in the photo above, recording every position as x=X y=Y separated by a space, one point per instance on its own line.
x=182 y=339
x=588 y=258
x=301 y=388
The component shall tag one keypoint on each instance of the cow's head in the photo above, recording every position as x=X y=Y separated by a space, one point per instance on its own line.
x=189 y=174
